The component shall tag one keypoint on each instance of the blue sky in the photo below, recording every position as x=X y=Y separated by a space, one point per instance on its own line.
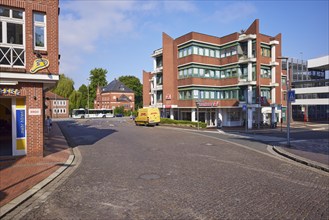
x=120 y=36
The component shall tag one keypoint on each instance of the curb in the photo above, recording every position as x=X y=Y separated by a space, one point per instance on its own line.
x=299 y=159
x=28 y=194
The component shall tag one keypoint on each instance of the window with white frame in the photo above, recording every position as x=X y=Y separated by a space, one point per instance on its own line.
x=40 y=31
x=12 y=40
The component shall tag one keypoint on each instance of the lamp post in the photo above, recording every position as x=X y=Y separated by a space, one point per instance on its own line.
x=197 y=102
x=88 y=98
x=288 y=99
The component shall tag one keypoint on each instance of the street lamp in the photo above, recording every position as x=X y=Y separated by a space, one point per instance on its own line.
x=88 y=98
x=288 y=99
x=197 y=102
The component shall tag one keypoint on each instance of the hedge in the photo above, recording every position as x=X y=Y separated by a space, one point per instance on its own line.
x=183 y=123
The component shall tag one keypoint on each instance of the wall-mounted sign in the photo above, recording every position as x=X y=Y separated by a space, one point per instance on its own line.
x=9 y=91
x=208 y=104
x=168 y=97
x=39 y=64
x=34 y=111
x=20 y=123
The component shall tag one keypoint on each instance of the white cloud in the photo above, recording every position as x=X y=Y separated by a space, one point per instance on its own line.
x=85 y=25
x=233 y=12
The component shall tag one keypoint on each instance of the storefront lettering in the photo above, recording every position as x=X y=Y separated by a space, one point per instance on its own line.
x=9 y=91
x=208 y=104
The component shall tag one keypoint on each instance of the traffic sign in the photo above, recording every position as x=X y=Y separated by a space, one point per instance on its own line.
x=291 y=95
x=244 y=107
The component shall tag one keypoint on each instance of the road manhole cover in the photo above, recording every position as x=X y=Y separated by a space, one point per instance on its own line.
x=149 y=176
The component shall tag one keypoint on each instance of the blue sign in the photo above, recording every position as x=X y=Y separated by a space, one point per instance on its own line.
x=20 y=123
x=244 y=107
x=291 y=96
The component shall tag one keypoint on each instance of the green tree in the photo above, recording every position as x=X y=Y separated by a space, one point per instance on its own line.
x=64 y=87
x=132 y=82
x=119 y=110
x=83 y=89
x=97 y=78
x=75 y=100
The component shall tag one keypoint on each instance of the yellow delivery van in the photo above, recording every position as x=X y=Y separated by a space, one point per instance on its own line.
x=148 y=116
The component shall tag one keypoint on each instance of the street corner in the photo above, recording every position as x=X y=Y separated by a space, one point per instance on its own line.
x=303 y=156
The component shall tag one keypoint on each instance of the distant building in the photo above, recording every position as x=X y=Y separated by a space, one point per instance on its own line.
x=29 y=66
x=311 y=89
x=56 y=106
x=115 y=94
x=229 y=80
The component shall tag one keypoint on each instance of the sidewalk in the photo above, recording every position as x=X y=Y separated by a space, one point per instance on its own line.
x=20 y=175
x=314 y=152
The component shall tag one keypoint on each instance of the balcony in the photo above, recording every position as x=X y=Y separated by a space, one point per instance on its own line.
x=157 y=70
x=246 y=37
x=244 y=82
x=158 y=87
x=157 y=52
x=12 y=56
x=274 y=63
x=245 y=59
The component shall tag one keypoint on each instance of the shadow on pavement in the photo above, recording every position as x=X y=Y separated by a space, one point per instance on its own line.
x=85 y=132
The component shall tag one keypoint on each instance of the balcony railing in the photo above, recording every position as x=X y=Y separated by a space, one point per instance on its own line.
x=12 y=56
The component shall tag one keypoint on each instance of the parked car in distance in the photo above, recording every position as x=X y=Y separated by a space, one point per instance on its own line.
x=119 y=115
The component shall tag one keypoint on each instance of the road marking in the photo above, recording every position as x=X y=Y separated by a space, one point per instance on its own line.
x=318 y=129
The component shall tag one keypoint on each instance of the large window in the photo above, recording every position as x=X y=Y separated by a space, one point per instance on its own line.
x=265 y=92
x=12 y=48
x=40 y=31
x=209 y=94
x=266 y=52
x=265 y=72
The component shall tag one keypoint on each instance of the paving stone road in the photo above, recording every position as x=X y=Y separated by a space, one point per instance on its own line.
x=130 y=172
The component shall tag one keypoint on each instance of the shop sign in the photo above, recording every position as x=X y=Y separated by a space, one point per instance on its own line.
x=208 y=104
x=20 y=123
x=167 y=106
x=34 y=111
x=39 y=64
x=9 y=91
x=168 y=97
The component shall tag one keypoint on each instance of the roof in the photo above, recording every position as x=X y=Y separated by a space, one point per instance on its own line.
x=116 y=86
x=51 y=95
x=124 y=98
x=320 y=63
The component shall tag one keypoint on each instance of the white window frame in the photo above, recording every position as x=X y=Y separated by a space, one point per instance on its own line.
x=5 y=42
x=42 y=25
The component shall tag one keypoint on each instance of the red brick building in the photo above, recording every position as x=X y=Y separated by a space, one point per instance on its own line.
x=115 y=94
x=56 y=106
x=28 y=67
x=228 y=79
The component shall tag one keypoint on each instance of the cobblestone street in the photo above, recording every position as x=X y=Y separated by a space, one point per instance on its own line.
x=157 y=173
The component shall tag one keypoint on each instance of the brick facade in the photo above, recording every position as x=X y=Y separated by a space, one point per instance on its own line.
x=30 y=86
x=115 y=94
x=184 y=67
x=56 y=106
